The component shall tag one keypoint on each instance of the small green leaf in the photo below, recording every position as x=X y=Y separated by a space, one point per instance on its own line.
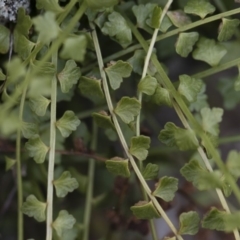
x=63 y=222
x=156 y=16
x=29 y=130
x=178 y=18
x=24 y=22
x=137 y=62
x=9 y=163
x=103 y=4
x=186 y=42
x=166 y=188
x=148 y=85
x=91 y=88
x=127 y=108
x=65 y=184
x=189 y=87
x=189 y=223
x=118 y=166
x=199 y=7
x=116 y=71
x=233 y=163
x=141 y=13
x=174 y=136
x=139 y=146
x=150 y=171
x=47 y=27
x=36 y=149
x=211 y=119
x=103 y=120
x=69 y=76
x=67 y=123
x=162 y=97
x=122 y=32
x=71 y=44
x=34 y=208
x=145 y=210
x=4 y=39
x=227 y=29
x=209 y=51
x=49 y=5
x=39 y=105
x=221 y=221
x=2 y=76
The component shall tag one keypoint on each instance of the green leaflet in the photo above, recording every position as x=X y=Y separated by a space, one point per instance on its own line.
x=34 y=208
x=63 y=222
x=209 y=51
x=4 y=39
x=71 y=44
x=127 y=108
x=220 y=220
x=185 y=43
x=178 y=18
x=69 y=75
x=199 y=7
x=29 y=130
x=139 y=146
x=103 y=4
x=65 y=184
x=36 y=149
x=47 y=27
x=227 y=29
x=156 y=16
x=122 y=33
x=116 y=71
x=233 y=163
x=145 y=210
x=49 y=5
x=103 y=120
x=162 y=97
x=211 y=119
x=142 y=13
x=174 y=136
x=118 y=166
x=39 y=105
x=150 y=171
x=166 y=188
x=91 y=88
x=9 y=163
x=148 y=85
x=189 y=87
x=2 y=76
x=67 y=123
x=189 y=223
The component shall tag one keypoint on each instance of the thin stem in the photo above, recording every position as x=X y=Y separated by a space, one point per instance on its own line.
x=49 y=219
x=208 y=166
x=165 y=35
x=19 y=168
x=229 y=139
x=91 y=169
x=88 y=113
x=194 y=123
x=121 y=136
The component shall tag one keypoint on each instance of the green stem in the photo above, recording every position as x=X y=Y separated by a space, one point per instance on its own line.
x=208 y=166
x=88 y=113
x=194 y=123
x=165 y=35
x=91 y=169
x=49 y=219
x=121 y=136
x=229 y=139
x=217 y=69
x=19 y=168
x=7 y=105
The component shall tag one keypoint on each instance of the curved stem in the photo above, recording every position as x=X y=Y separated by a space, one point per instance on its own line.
x=122 y=139
x=91 y=169
x=49 y=219
x=208 y=166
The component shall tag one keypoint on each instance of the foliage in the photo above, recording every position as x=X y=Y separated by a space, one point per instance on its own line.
x=111 y=101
